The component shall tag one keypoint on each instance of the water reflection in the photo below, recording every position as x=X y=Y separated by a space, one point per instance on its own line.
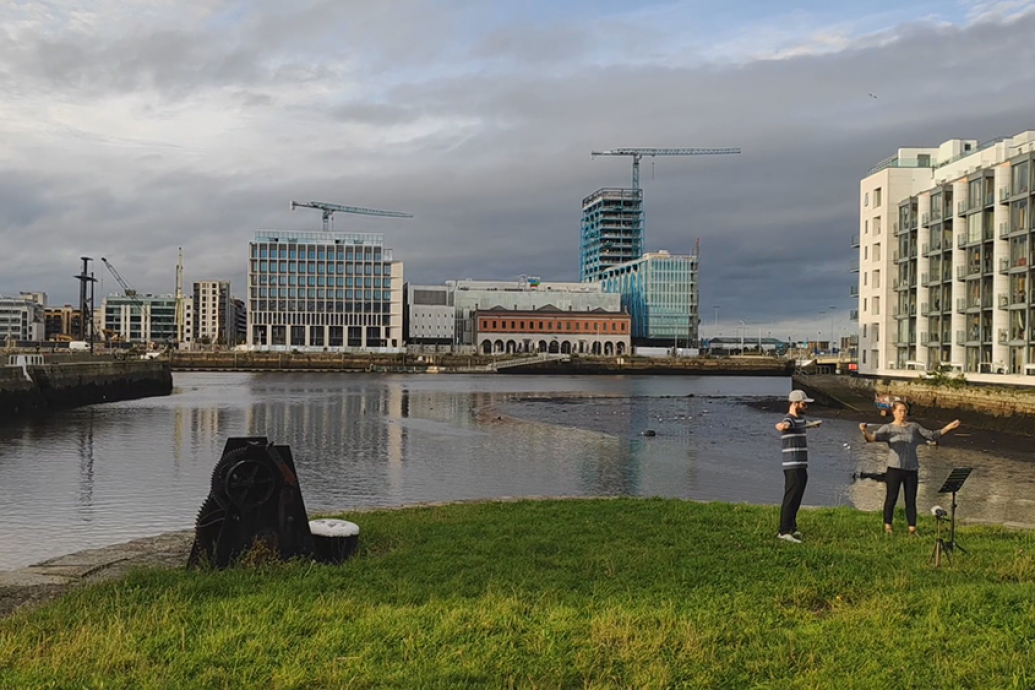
x=109 y=473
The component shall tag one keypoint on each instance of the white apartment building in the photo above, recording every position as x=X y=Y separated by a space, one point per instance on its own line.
x=946 y=247
x=146 y=319
x=22 y=318
x=316 y=291
x=213 y=319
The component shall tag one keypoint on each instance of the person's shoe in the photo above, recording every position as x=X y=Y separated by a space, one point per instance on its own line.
x=789 y=537
x=796 y=534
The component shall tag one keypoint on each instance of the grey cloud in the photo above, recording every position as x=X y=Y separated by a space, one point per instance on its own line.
x=501 y=197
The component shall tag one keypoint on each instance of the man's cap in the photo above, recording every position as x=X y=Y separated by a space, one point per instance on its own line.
x=799 y=396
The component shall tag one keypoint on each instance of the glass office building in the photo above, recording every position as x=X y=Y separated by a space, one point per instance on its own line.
x=320 y=291
x=659 y=290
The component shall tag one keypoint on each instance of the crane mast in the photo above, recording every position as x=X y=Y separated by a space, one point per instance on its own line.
x=330 y=209
x=639 y=153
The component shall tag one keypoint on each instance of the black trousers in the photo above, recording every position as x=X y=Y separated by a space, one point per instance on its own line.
x=794 y=481
x=897 y=478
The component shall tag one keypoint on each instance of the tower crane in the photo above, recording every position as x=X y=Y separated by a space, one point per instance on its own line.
x=128 y=292
x=329 y=210
x=638 y=153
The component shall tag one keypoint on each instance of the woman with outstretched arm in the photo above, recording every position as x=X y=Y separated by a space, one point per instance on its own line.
x=903 y=438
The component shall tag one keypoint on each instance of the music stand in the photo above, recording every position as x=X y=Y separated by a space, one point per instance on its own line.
x=952 y=484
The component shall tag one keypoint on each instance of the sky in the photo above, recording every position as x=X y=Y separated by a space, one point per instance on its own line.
x=128 y=130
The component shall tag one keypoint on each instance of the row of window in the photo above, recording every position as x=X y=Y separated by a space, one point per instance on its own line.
x=321 y=281
x=316 y=252
x=594 y=326
x=320 y=293
x=320 y=268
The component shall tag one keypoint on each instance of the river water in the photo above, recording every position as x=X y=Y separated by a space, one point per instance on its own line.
x=109 y=473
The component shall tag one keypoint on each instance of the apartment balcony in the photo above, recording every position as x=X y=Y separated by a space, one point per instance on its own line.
x=961 y=337
x=853 y=266
x=855 y=241
x=961 y=208
x=961 y=240
x=853 y=315
x=1003 y=336
x=900 y=229
x=1004 y=195
x=925 y=220
x=924 y=309
x=853 y=291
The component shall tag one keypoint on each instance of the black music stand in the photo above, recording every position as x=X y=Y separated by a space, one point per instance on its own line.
x=952 y=484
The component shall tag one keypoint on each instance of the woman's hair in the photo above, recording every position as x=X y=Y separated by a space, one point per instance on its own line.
x=903 y=403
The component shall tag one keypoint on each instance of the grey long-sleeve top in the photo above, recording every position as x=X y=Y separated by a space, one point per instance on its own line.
x=903 y=441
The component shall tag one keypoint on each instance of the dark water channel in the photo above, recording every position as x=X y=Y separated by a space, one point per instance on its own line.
x=110 y=473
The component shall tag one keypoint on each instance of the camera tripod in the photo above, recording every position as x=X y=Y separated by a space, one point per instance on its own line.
x=940 y=546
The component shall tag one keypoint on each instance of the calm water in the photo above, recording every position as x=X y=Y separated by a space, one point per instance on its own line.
x=109 y=473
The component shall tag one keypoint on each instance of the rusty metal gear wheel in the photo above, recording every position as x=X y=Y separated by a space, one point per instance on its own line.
x=249 y=483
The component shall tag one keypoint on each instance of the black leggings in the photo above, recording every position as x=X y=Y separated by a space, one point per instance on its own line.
x=896 y=478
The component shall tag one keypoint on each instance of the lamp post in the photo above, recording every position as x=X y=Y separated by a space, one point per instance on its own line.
x=716 y=308
x=743 y=327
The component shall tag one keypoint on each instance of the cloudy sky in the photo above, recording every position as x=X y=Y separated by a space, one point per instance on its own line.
x=128 y=129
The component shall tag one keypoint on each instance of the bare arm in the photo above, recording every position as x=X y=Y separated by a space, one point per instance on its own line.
x=783 y=426
x=867 y=434
x=950 y=426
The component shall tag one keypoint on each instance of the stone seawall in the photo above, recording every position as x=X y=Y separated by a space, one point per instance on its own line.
x=986 y=407
x=443 y=363
x=67 y=385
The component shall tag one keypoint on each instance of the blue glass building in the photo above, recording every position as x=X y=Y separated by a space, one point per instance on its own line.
x=660 y=292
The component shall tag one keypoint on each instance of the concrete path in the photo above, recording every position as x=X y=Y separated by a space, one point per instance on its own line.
x=50 y=579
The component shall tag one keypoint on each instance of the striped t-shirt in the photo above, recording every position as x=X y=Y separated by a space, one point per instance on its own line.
x=795 y=451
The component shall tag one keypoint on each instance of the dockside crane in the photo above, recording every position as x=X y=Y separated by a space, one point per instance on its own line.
x=330 y=209
x=126 y=289
x=128 y=292
x=639 y=153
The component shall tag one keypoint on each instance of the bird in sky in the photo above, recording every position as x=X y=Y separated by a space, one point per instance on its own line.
x=871 y=95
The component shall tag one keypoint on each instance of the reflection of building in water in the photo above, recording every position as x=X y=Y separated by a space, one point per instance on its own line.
x=332 y=430
x=86 y=461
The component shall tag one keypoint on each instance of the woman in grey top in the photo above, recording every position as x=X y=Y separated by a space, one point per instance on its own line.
x=903 y=438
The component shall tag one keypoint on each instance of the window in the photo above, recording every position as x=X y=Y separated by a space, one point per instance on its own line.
x=876 y=306
x=877 y=197
x=876 y=225
x=876 y=278
x=864 y=332
x=866 y=199
x=876 y=252
x=866 y=253
x=866 y=227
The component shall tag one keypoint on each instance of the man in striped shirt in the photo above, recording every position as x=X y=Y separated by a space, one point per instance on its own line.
x=795 y=464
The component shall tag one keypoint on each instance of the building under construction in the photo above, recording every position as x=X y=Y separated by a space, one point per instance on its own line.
x=612 y=231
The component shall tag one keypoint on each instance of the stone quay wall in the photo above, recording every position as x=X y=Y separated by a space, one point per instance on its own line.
x=58 y=386
x=1008 y=409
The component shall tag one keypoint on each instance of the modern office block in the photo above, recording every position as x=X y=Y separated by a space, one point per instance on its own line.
x=323 y=291
x=612 y=231
x=660 y=292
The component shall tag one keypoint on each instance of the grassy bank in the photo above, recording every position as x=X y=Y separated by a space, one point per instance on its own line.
x=602 y=593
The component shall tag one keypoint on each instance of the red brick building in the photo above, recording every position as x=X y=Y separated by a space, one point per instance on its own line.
x=549 y=329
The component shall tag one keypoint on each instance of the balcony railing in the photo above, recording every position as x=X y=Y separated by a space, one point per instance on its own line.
x=1004 y=301
x=1004 y=195
x=961 y=208
x=855 y=241
x=961 y=240
x=853 y=315
x=924 y=309
x=961 y=337
x=853 y=291
x=853 y=266
x=1002 y=336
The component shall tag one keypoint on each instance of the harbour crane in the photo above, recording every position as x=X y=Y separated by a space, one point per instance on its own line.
x=126 y=289
x=330 y=209
x=638 y=153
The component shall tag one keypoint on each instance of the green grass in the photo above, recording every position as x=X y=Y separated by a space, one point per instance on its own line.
x=593 y=594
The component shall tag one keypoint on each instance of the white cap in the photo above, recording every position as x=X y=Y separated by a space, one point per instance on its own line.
x=799 y=396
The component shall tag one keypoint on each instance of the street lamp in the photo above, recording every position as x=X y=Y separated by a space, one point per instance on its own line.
x=743 y=327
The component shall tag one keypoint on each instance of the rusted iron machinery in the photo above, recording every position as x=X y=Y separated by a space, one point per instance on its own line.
x=254 y=502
